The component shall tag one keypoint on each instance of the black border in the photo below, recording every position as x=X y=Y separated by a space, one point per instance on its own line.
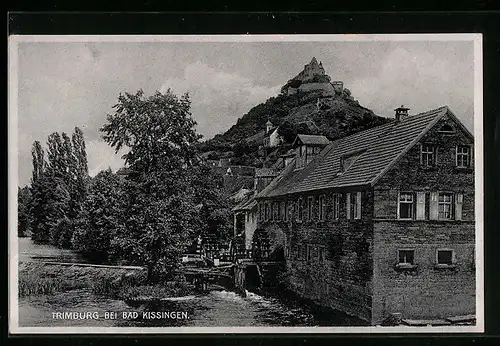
x=437 y=21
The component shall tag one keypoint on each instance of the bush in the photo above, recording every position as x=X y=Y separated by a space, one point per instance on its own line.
x=61 y=234
x=37 y=279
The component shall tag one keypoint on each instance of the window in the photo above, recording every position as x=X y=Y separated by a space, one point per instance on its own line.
x=353 y=201
x=321 y=208
x=428 y=155
x=285 y=212
x=406 y=257
x=445 y=257
x=405 y=205
x=309 y=254
x=275 y=211
x=463 y=156
x=309 y=208
x=336 y=206
x=268 y=211
x=300 y=209
x=445 y=206
x=406 y=260
x=321 y=254
x=446 y=129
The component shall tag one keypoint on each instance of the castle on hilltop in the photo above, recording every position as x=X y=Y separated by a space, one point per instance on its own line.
x=313 y=78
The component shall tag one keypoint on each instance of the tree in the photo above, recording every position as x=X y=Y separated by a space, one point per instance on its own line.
x=81 y=172
x=161 y=210
x=101 y=216
x=50 y=199
x=23 y=204
x=38 y=161
x=158 y=130
x=215 y=208
x=56 y=164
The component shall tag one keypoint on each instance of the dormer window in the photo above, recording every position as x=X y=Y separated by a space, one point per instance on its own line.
x=347 y=160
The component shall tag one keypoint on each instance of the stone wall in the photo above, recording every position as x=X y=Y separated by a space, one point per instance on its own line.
x=425 y=291
x=342 y=280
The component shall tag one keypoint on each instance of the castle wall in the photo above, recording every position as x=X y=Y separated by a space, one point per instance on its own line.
x=327 y=88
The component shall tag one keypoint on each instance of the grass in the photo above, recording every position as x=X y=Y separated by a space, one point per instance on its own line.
x=43 y=279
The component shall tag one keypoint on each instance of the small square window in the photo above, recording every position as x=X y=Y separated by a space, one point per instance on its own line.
x=445 y=257
x=406 y=257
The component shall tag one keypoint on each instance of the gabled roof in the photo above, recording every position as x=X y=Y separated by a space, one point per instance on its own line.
x=311 y=140
x=380 y=149
x=241 y=170
x=246 y=205
x=265 y=172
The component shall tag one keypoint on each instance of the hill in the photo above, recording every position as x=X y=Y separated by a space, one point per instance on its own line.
x=309 y=103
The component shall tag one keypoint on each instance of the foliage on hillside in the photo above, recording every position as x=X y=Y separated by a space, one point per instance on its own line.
x=337 y=117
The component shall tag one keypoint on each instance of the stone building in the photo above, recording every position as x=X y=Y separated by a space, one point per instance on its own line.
x=380 y=222
x=313 y=78
x=272 y=138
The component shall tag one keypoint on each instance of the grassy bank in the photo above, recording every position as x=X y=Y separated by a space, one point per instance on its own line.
x=45 y=279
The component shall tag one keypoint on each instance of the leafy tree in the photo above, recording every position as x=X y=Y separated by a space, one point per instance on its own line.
x=158 y=130
x=101 y=216
x=50 y=201
x=23 y=204
x=81 y=172
x=214 y=207
x=162 y=214
x=56 y=163
x=38 y=161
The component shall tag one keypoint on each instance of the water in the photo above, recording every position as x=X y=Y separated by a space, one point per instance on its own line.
x=215 y=308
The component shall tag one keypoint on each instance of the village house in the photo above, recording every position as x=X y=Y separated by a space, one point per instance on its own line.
x=245 y=213
x=272 y=138
x=379 y=223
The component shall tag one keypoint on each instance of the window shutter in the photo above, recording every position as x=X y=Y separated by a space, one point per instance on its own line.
x=433 y=204
x=458 y=206
x=358 y=204
x=420 y=205
x=348 y=205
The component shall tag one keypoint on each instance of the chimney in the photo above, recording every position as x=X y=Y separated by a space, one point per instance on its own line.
x=401 y=113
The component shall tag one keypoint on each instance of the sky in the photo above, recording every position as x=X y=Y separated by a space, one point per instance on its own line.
x=66 y=84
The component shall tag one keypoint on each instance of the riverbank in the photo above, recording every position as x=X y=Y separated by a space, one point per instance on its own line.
x=112 y=282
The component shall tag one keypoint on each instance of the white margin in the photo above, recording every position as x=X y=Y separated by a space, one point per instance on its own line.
x=13 y=42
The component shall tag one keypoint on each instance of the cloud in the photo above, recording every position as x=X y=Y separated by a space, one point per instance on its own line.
x=218 y=98
x=421 y=81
